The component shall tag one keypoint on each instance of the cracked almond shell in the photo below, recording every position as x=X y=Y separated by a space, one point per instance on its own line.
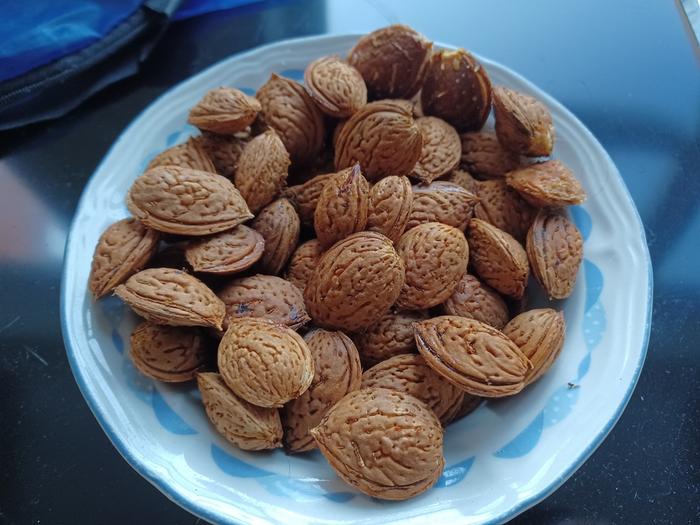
x=441 y=201
x=476 y=300
x=547 y=184
x=337 y=88
x=190 y=154
x=472 y=355
x=225 y=111
x=523 y=124
x=247 y=426
x=390 y=336
x=441 y=150
x=390 y=202
x=186 y=202
x=265 y=363
x=385 y=443
x=227 y=252
x=279 y=225
x=337 y=373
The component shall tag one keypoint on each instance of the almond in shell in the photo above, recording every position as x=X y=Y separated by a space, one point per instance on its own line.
x=123 y=249
x=224 y=151
x=190 y=154
x=279 y=225
x=305 y=196
x=385 y=443
x=555 y=250
x=547 y=184
x=265 y=363
x=243 y=424
x=444 y=202
x=436 y=257
x=226 y=252
x=498 y=259
x=523 y=124
x=337 y=373
x=484 y=155
x=475 y=300
x=172 y=354
x=441 y=149
x=172 y=297
x=390 y=202
x=303 y=262
x=503 y=207
x=186 y=202
x=225 y=111
x=336 y=86
x=390 y=336
x=462 y=178
x=540 y=336
x=472 y=355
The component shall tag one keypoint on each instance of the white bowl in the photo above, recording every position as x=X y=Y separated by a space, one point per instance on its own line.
x=502 y=459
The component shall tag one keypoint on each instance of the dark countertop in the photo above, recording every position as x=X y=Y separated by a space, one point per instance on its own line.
x=627 y=69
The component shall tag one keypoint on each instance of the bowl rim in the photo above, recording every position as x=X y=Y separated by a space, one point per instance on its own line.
x=161 y=482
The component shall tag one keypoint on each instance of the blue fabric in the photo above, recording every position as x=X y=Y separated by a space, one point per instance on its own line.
x=190 y=8
x=34 y=33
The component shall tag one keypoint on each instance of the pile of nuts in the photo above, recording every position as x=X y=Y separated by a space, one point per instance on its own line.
x=368 y=210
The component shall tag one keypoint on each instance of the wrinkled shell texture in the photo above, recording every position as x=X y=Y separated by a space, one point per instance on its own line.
x=435 y=256
x=279 y=225
x=190 y=154
x=224 y=151
x=390 y=204
x=337 y=87
x=226 y=252
x=443 y=202
x=392 y=335
x=262 y=170
x=498 y=258
x=266 y=364
x=547 y=184
x=484 y=155
x=441 y=150
x=504 y=208
x=462 y=178
x=266 y=297
x=123 y=248
x=172 y=297
x=247 y=426
x=457 y=90
x=385 y=443
x=410 y=374
x=305 y=196
x=355 y=283
x=472 y=355
x=555 y=251
x=303 y=262
x=342 y=207
x=540 y=336
x=290 y=111
x=168 y=353
x=186 y=202
x=469 y=404
x=392 y=60
x=337 y=373
x=523 y=124
x=382 y=137
x=225 y=111
x=475 y=300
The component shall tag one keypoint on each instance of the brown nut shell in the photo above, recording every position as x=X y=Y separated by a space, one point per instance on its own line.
x=382 y=137
x=555 y=251
x=457 y=90
x=186 y=202
x=390 y=202
x=337 y=373
x=225 y=111
x=265 y=297
x=444 y=202
x=355 y=283
x=123 y=249
x=540 y=336
x=172 y=297
x=336 y=86
x=226 y=252
x=392 y=335
x=436 y=257
x=476 y=300
x=262 y=170
x=342 y=206
x=385 y=443
x=266 y=364
x=289 y=110
x=392 y=60
x=224 y=151
x=303 y=262
x=472 y=355
x=247 y=426
x=441 y=149
x=305 y=196
x=547 y=184
x=172 y=354
x=484 y=155
x=498 y=259
x=190 y=154
x=410 y=374
x=462 y=178
x=503 y=207
x=279 y=225
x=523 y=124
x=469 y=404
